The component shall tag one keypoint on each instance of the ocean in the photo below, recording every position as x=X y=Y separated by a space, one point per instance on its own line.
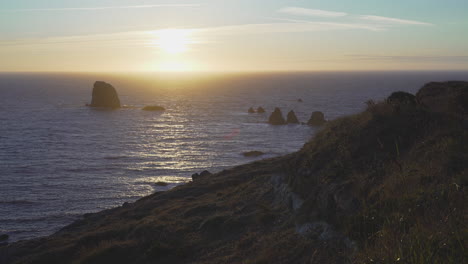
x=60 y=159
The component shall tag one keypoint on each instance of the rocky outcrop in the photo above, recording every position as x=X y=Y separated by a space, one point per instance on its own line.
x=104 y=95
x=260 y=110
x=154 y=108
x=203 y=174
x=276 y=118
x=445 y=97
x=317 y=119
x=251 y=110
x=292 y=118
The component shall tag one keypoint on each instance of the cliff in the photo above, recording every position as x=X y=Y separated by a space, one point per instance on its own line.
x=387 y=185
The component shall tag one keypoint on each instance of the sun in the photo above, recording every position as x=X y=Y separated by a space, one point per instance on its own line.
x=172 y=41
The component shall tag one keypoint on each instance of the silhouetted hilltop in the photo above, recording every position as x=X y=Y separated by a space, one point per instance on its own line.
x=387 y=185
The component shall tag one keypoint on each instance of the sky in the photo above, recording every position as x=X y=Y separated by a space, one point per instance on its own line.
x=232 y=35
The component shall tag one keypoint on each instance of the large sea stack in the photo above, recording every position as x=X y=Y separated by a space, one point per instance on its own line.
x=104 y=95
x=317 y=119
x=292 y=118
x=276 y=118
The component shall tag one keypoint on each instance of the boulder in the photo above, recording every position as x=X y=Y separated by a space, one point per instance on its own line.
x=445 y=97
x=317 y=119
x=104 y=95
x=251 y=110
x=153 y=108
x=292 y=118
x=254 y=153
x=260 y=110
x=276 y=118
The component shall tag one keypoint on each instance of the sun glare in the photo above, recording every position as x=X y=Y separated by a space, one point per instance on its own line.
x=172 y=41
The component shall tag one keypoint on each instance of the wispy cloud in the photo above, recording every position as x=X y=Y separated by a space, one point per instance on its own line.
x=310 y=12
x=98 y=8
x=410 y=58
x=142 y=38
x=287 y=26
x=392 y=20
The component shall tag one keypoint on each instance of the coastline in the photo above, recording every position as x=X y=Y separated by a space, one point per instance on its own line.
x=337 y=200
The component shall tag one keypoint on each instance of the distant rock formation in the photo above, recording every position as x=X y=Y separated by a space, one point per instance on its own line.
x=260 y=110
x=317 y=119
x=445 y=97
x=254 y=153
x=251 y=110
x=276 y=118
x=299 y=100
x=292 y=118
x=153 y=108
x=104 y=95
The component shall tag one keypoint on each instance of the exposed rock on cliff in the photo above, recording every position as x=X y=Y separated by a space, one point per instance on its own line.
x=104 y=95
x=446 y=97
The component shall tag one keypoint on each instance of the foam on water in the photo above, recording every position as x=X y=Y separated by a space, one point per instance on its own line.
x=60 y=159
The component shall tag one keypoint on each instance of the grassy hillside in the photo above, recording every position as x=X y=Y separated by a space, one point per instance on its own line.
x=384 y=186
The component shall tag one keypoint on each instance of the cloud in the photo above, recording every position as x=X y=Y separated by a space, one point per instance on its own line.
x=99 y=8
x=410 y=58
x=142 y=38
x=391 y=20
x=299 y=11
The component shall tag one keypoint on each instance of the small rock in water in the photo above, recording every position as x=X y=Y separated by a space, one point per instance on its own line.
x=251 y=110
x=254 y=153
x=260 y=110
x=317 y=119
x=299 y=100
x=276 y=118
x=160 y=183
x=104 y=95
x=4 y=237
x=292 y=118
x=154 y=108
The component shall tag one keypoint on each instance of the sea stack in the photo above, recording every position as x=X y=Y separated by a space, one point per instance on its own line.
x=260 y=110
x=251 y=110
x=276 y=118
x=292 y=118
x=317 y=119
x=104 y=95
